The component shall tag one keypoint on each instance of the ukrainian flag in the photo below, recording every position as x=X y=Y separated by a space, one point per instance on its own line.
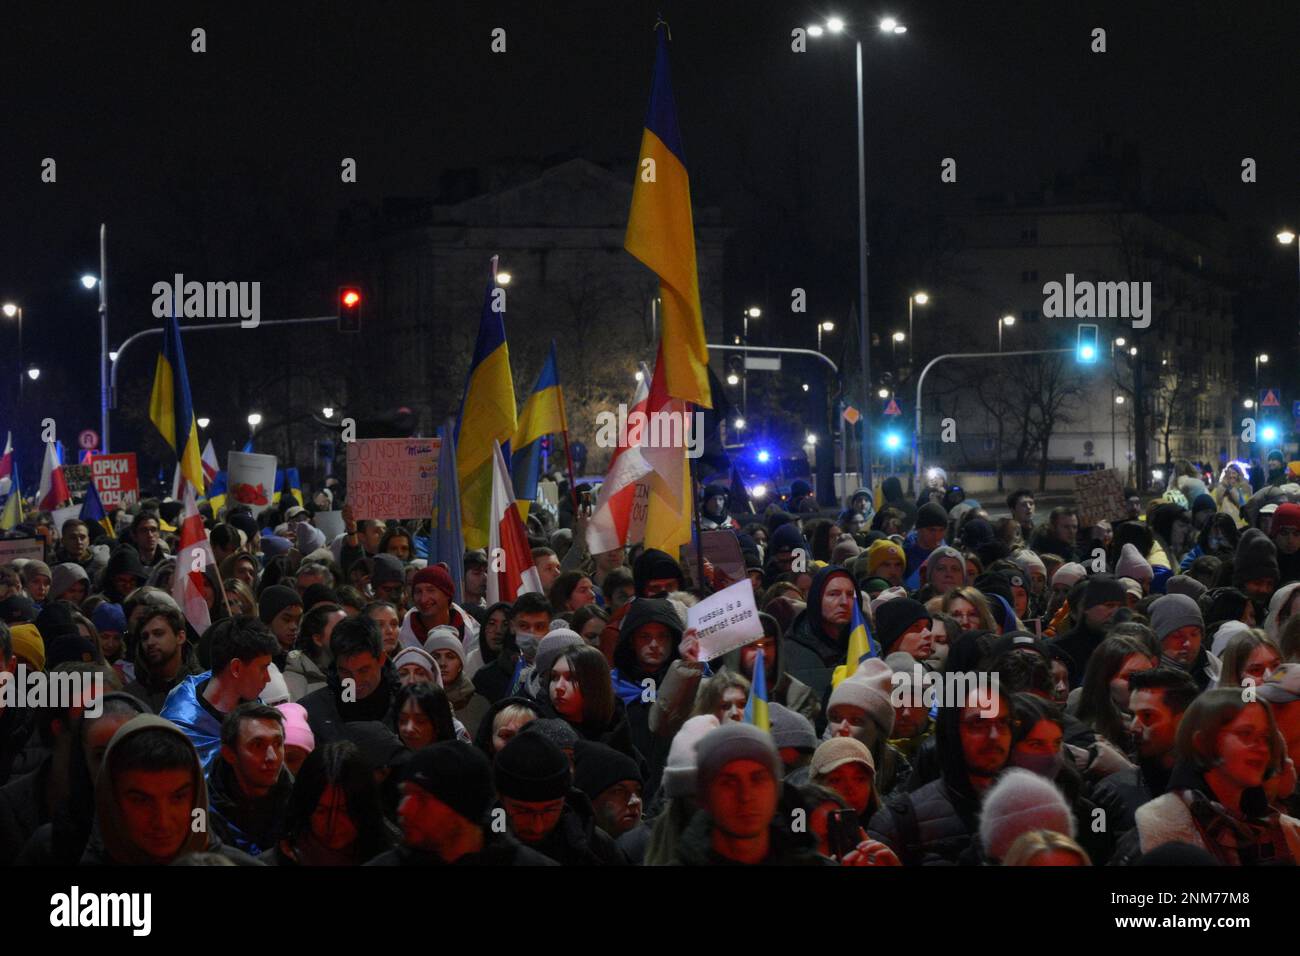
x=12 y=515
x=217 y=493
x=861 y=646
x=171 y=410
x=756 y=706
x=487 y=414
x=543 y=415
x=293 y=485
x=661 y=233
x=92 y=510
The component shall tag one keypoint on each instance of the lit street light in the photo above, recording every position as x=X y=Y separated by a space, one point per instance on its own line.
x=883 y=393
x=327 y=411
x=1008 y=320
x=811 y=439
x=204 y=422
x=732 y=379
x=33 y=373
x=503 y=278
x=254 y=420
x=740 y=424
x=827 y=326
x=89 y=281
x=920 y=298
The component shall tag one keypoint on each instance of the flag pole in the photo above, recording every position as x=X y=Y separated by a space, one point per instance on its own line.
x=695 y=512
x=568 y=455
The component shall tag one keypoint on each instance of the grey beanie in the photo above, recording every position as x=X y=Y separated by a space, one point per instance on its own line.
x=1019 y=802
x=791 y=728
x=729 y=743
x=444 y=637
x=1173 y=611
x=552 y=646
x=1185 y=584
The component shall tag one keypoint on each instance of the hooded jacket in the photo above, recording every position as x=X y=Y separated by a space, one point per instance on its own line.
x=327 y=712
x=467 y=705
x=576 y=840
x=123 y=560
x=782 y=688
x=483 y=735
x=184 y=709
x=109 y=845
x=251 y=825
x=811 y=655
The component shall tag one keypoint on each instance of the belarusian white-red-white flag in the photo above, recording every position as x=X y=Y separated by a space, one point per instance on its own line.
x=613 y=523
x=53 y=491
x=210 y=464
x=511 y=571
x=193 y=558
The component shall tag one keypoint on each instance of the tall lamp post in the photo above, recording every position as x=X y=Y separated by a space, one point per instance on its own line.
x=837 y=25
x=920 y=298
x=827 y=326
x=11 y=310
x=753 y=312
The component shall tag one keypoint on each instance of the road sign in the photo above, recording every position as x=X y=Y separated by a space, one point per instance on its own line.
x=852 y=415
x=760 y=363
x=1295 y=409
x=1270 y=399
x=892 y=408
x=88 y=439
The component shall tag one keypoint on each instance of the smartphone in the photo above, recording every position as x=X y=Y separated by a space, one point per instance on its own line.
x=842 y=832
x=584 y=501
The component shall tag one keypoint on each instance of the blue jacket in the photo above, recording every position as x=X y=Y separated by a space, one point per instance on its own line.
x=916 y=556
x=183 y=709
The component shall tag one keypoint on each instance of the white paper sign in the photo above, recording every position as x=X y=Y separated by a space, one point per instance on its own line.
x=61 y=515
x=250 y=480
x=726 y=620
x=12 y=549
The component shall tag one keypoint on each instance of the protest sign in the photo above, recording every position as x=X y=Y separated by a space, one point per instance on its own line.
x=116 y=479
x=329 y=522
x=392 y=478
x=726 y=620
x=1100 y=496
x=12 y=549
x=60 y=515
x=722 y=550
x=78 y=479
x=251 y=480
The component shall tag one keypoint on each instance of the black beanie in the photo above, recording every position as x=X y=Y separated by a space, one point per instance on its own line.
x=597 y=767
x=532 y=768
x=68 y=647
x=274 y=600
x=457 y=774
x=995 y=582
x=652 y=565
x=931 y=515
x=1102 y=588
x=896 y=616
x=1256 y=558
x=17 y=609
x=56 y=621
x=318 y=594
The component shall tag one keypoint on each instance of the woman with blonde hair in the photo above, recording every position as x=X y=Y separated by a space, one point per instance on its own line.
x=1250 y=655
x=1232 y=492
x=1045 y=848
x=970 y=609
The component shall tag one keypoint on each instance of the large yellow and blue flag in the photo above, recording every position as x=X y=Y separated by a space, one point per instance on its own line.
x=661 y=233
x=12 y=514
x=862 y=644
x=756 y=706
x=542 y=415
x=171 y=410
x=487 y=414
x=217 y=493
x=92 y=510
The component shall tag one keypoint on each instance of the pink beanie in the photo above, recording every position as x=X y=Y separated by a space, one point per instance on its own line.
x=297 y=732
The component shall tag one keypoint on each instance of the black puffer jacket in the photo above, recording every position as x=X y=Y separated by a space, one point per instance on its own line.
x=16 y=731
x=22 y=810
x=576 y=840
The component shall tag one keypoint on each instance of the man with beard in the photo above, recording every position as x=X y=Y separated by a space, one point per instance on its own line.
x=164 y=657
x=819 y=636
x=935 y=824
x=361 y=683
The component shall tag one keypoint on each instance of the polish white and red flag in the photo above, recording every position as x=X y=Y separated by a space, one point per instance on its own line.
x=193 y=558
x=53 y=491
x=615 y=521
x=511 y=571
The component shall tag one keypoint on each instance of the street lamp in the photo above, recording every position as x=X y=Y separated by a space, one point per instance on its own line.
x=33 y=373
x=753 y=312
x=204 y=422
x=327 y=411
x=896 y=338
x=503 y=278
x=254 y=420
x=837 y=25
x=732 y=379
x=827 y=326
x=740 y=424
x=1008 y=320
x=1287 y=238
x=883 y=393
x=640 y=375
x=920 y=298
x=11 y=310
x=811 y=438
x=89 y=281
x=1248 y=403
x=1262 y=357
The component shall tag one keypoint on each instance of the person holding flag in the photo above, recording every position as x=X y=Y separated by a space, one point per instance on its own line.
x=756 y=706
x=172 y=411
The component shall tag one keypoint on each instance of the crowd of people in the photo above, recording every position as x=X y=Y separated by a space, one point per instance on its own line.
x=354 y=704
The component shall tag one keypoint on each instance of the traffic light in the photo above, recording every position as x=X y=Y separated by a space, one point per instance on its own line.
x=1085 y=350
x=893 y=441
x=349 y=308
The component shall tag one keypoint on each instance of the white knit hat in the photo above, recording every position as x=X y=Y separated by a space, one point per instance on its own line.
x=1019 y=802
x=679 y=773
x=868 y=688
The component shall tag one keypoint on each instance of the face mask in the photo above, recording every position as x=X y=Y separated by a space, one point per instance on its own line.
x=527 y=644
x=1045 y=765
x=1215 y=542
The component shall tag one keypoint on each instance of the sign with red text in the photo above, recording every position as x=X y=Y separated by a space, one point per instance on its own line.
x=116 y=479
x=392 y=477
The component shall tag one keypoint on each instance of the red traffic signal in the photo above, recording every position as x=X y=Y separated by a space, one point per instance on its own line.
x=349 y=309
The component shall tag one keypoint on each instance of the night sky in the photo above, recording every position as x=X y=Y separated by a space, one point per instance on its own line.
x=223 y=163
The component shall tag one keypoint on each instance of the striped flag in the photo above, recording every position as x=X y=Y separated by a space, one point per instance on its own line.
x=756 y=706
x=12 y=515
x=7 y=466
x=193 y=557
x=92 y=510
x=170 y=408
x=210 y=464
x=542 y=415
x=862 y=644
x=611 y=525
x=507 y=540
x=53 y=490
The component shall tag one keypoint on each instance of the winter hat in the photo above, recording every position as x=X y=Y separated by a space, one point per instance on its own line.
x=788 y=537
x=1028 y=562
x=885 y=596
x=992 y=583
x=597 y=767
x=868 y=689
x=65 y=576
x=931 y=515
x=309 y=537
x=1173 y=611
x=789 y=728
x=56 y=621
x=532 y=767
x=1131 y=564
x=558 y=731
x=68 y=647
x=456 y=774
x=1286 y=516
x=108 y=618
x=552 y=647
x=276 y=690
x=680 y=771
x=387 y=570
x=1225 y=633
x=836 y=752
x=1185 y=584
x=896 y=616
x=1282 y=686
x=379 y=746
x=319 y=594
x=444 y=637
x=881 y=551
x=1102 y=588
x=273 y=545
x=1256 y=558
x=977 y=532
x=1132 y=587
x=297 y=731
x=727 y=744
x=421 y=658
x=653 y=565
x=28 y=645
x=33 y=568
x=17 y=609
x=436 y=575
x=275 y=599
x=1019 y=802
x=245 y=521
x=844 y=552
x=1069 y=574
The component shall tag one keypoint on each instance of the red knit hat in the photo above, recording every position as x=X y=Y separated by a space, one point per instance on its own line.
x=1286 y=516
x=436 y=575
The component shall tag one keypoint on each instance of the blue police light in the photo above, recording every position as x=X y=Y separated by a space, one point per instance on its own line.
x=1085 y=350
x=1268 y=433
x=764 y=456
x=893 y=441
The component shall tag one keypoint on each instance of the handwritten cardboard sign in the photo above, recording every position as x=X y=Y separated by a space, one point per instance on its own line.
x=1100 y=496
x=393 y=478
